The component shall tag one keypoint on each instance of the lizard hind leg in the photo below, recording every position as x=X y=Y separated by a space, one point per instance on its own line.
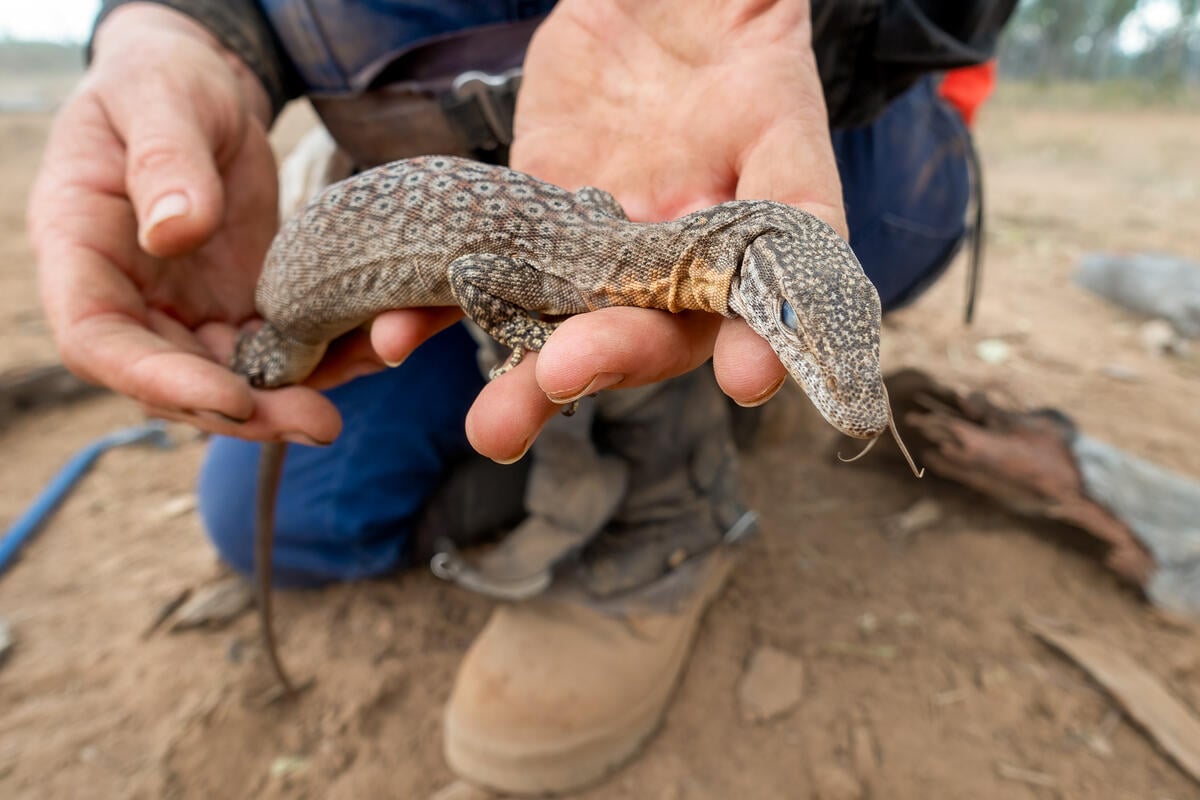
x=268 y=358
x=515 y=302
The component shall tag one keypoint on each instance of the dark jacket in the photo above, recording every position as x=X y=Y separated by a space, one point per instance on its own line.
x=868 y=51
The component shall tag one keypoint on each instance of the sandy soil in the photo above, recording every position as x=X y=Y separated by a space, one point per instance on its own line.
x=919 y=683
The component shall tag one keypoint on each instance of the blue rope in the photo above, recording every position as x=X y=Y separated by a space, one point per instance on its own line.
x=30 y=522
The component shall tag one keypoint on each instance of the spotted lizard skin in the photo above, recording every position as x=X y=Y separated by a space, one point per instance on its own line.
x=440 y=231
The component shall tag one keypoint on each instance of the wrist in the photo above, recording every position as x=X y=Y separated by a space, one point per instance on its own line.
x=126 y=28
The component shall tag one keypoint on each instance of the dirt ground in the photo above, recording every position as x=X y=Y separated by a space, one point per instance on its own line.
x=918 y=681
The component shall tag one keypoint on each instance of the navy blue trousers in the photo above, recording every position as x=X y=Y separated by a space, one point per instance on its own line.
x=347 y=511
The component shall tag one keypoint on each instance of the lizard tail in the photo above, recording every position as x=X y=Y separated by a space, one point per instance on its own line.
x=270 y=468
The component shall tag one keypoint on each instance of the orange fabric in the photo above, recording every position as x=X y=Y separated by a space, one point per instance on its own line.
x=967 y=87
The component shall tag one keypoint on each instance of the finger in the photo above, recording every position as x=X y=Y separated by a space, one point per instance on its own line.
x=101 y=327
x=347 y=358
x=137 y=362
x=745 y=366
x=396 y=334
x=123 y=350
x=509 y=413
x=157 y=362
x=792 y=161
x=622 y=347
x=295 y=414
x=171 y=174
x=179 y=335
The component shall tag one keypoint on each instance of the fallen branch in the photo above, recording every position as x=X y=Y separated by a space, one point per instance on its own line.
x=1167 y=721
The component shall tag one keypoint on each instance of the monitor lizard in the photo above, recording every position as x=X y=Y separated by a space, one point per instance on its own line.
x=518 y=255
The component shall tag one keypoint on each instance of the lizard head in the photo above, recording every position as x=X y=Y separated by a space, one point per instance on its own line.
x=801 y=288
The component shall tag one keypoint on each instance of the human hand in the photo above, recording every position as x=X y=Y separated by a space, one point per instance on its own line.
x=672 y=106
x=150 y=217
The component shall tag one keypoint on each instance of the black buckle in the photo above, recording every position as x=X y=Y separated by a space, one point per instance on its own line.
x=481 y=106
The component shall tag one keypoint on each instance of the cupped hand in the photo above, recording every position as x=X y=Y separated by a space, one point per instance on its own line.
x=155 y=204
x=672 y=106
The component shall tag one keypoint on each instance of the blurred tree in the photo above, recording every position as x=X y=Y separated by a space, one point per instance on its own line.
x=1175 y=42
x=1081 y=40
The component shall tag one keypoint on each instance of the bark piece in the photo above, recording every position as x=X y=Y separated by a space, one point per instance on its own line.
x=1172 y=725
x=215 y=604
x=1023 y=459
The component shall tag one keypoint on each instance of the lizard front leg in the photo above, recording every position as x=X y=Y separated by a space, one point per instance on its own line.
x=518 y=304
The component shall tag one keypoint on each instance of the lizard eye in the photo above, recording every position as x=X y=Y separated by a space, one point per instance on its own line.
x=787 y=317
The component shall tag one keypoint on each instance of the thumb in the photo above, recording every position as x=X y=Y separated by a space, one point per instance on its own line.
x=794 y=163
x=172 y=178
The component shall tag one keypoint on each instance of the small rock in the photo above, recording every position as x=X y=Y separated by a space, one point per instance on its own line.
x=1017 y=774
x=285 y=766
x=1121 y=372
x=215 y=604
x=1160 y=339
x=991 y=677
x=922 y=514
x=868 y=624
x=832 y=782
x=772 y=684
x=177 y=507
x=949 y=697
x=461 y=790
x=1099 y=744
x=6 y=640
x=881 y=653
x=993 y=351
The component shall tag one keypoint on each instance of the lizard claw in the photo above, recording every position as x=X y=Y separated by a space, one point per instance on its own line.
x=513 y=359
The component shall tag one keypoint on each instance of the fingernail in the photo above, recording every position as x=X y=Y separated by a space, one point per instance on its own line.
x=296 y=437
x=217 y=416
x=507 y=461
x=169 y=206
x=765 y=396
x=394 y=364
x=601 y=381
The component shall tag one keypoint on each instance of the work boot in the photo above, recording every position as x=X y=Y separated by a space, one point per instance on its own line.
x=562 y=688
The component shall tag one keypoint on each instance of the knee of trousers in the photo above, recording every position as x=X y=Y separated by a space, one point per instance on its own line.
x=346 y=511
x=906 y=186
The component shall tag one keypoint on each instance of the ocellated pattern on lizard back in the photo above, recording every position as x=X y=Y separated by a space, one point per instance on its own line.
x=395 y=229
